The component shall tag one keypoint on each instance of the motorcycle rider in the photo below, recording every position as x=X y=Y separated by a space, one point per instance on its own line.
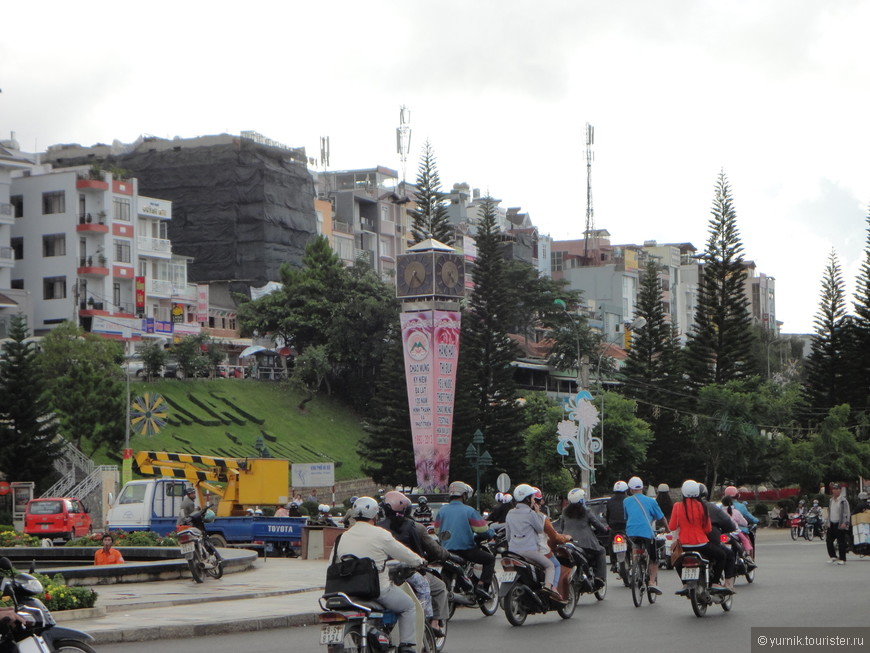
x=740 y=521
x=188 y=505
x=430 y=589
x=422 y=513
x=456 y=526
x=814 y=516
x=692 y=522
x=614 y=513
x=641 y=512
x=9 y=619
x=663 y=498
x=523 y=526
x=323 y=518
x=582 y=526
x=366 y=540
x=504 y=503
x=721 y=523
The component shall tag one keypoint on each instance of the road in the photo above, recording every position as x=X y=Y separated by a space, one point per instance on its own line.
x=794 y=587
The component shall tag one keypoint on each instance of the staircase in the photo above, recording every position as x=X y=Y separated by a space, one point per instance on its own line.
x=79 y=476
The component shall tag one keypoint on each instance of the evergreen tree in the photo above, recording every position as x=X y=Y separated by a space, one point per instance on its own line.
x=720 y=345
x=825 y=384
x=486 y=396
x=27 y=427
x=429 y=218
x=859 y=358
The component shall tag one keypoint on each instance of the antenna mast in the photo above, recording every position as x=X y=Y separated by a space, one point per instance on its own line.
x=324 y=152
x=403 y=138
x=590 y=216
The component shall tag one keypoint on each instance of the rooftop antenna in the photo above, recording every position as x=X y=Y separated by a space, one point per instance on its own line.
x=590 y=216
x=403 y=138
x=324 y=152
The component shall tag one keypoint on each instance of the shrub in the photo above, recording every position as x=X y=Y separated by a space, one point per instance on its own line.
x=760 y=510
x=57 y=595
x=124 y=538
x=14 y=538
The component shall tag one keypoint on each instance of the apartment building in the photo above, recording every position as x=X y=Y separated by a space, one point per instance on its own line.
x=13 y=301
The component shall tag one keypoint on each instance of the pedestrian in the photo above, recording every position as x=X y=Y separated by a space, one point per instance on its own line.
x=839 y=522
x=313 y=497
x=108 y=555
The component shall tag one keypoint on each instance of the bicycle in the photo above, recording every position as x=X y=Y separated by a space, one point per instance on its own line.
x=639 y=573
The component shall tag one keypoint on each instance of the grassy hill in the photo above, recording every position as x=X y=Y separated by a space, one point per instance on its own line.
x=226 y=417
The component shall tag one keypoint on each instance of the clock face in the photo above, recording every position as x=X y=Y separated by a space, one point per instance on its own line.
x=414 y=275
x=450 y=275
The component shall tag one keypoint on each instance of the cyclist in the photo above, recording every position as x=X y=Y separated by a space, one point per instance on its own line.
x=641 y=512
x=456 y=526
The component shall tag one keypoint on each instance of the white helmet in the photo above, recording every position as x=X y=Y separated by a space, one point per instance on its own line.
x=458 y=488
x=620 y=486
x=506 y=497
x=577 y=495
x=635 y=483
x=323 y=508
x=365 y=508
x=523 y=492
x=663 y=487
x=258 y=512
x=499 y=497
x=691 y=489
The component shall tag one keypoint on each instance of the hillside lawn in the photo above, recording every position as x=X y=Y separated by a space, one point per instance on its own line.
x=226 y=418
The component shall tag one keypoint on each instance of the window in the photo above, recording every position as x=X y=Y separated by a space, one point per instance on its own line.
x=54 y=245
x=116 y=294
x=121 y=209
x=17 y=244
x=17 y=202
x=17 y=284
x=54 y=288
x=53 y=202
x=122 y=251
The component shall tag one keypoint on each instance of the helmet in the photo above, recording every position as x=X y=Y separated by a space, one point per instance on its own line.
x=635 y=483
x=801 y=502
x=353 y=500
x=469 y=490
x=323 y=508
x=690 y=489
x=422 y=501
x=458 y=489
x=208 y=516
x=249 y=511
x=258 y=512
x=397 y=502
x=577 y=495
x=506 y=497
x=702 y=490
x=523 y=492
x=663 y=487
x=730 y=491
x=620 y=486
x=499 y=497
x=538 y=494
x=365 y=508
x=861 y=495
x=191 y=490
x=815 y=501
x=290 y=504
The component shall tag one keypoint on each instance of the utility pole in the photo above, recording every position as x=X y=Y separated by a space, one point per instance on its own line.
x=590 y=215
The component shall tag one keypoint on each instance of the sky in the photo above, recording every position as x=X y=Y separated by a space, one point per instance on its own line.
x=774 y=93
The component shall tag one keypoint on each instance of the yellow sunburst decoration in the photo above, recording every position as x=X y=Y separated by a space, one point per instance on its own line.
x=148 y=414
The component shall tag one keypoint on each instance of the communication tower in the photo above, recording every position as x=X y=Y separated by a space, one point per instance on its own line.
x=590 y=215
x=403 y=138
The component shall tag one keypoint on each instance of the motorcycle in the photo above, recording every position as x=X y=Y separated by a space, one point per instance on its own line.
x=798 y=524
x=584 y=581
x=202 y=558
x=353 y=625
x=744 y=565
x=696 y=577
x=460 y=577
x=40 y=633
x=814 y=527
x=664 y=542
x=621 y=559
x=522 y=590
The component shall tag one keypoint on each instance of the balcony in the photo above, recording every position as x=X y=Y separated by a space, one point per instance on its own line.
x=7 y=257
x=91 y=184
x=7 y=215
x=343 y=227
x=159 y=247
x=92 y=223
x=88 y=267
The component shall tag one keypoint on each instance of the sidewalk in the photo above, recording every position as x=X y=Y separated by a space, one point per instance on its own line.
x=277 y=592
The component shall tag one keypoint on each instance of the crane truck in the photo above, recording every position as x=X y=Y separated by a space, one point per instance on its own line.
x=153 y=504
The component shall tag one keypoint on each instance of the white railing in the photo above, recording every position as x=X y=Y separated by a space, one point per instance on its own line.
x=70 y=461
x=160 y=245
x=92 y=481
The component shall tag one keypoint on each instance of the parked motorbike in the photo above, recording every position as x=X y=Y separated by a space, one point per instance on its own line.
x=696 y=576
x=522 y=590
x=350 y=624
x=460 y=577
x=621 y=559
x=584 y=581
x=744 y=565
x=202 y=557
x=40 y=633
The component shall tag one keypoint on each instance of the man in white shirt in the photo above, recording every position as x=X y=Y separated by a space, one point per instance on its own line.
x=839 y=524
x=365 y=540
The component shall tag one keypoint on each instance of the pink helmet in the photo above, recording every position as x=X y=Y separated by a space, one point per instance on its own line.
x=397 y=501
x=730 y=491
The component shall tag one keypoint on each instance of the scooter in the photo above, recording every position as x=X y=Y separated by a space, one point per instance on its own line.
x=202 y=558
x=522 y=590
x=621 y=558
x=570 y=555
x=744 y=565
x=353 y=625
x=40 y=633
x=696 y=577
x=460 y=577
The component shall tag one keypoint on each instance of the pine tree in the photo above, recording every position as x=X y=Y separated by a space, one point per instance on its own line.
x=486 y=393
x=430 y=218
x=720 y=346
x=825 y=384
x=858 y=369
x=27 y=427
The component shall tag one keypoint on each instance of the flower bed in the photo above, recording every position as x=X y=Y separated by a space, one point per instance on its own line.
x=57 y=595
x=125 y=538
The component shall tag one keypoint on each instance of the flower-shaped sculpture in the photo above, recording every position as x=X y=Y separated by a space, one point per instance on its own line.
x=576 y=431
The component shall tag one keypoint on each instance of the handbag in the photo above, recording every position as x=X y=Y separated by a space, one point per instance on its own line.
x=676 y=551
x=357 y=577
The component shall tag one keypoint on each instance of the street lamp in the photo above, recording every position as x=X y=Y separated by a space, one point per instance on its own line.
x=478 y=458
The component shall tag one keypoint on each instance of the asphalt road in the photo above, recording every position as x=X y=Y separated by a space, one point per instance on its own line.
x=793 y=587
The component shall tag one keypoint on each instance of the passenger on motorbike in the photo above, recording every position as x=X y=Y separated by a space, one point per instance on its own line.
x=740 y=521
x=504 y=503
x=430 y=589
x=366 y=540
x=323 y=518
x=550 y=538
x=722 y=523
x=523 y=526
x=640 y=514
x=456 y=526
x=692 y=522
x=582 y=525
x=9 y=619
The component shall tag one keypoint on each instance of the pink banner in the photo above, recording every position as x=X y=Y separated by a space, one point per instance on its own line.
x=202 y=303
x=431 y=348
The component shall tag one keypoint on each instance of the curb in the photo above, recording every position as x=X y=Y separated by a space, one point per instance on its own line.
x=119 y=635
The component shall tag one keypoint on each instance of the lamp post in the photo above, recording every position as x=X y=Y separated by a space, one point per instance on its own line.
x=478 y=458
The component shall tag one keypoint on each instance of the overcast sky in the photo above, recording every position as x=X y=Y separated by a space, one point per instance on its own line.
x=776 y=94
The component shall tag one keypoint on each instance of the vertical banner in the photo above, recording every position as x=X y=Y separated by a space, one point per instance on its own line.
x=140 y=296
x=417 y=338
x=202 y=303
x=446 y=357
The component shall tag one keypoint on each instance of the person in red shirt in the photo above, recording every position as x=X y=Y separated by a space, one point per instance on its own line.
x=691 y=519
x=108 y=555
